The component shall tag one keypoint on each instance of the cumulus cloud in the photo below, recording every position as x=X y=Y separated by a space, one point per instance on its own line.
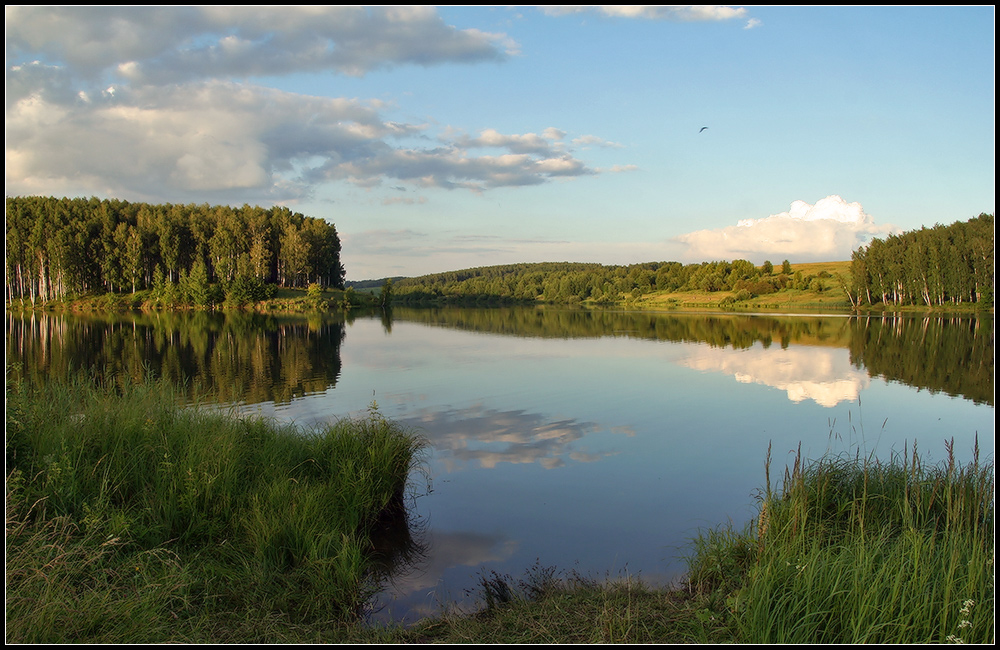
x=829 y=230
x=143 y=103
x=173 y=44
x=209 y=137
x=450 y=166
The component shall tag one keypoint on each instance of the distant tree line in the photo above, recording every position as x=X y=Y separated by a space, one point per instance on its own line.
x=943 y=265
x=57 y=248
x=567 y=282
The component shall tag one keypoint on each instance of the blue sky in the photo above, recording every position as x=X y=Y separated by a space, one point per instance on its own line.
x=444 y=138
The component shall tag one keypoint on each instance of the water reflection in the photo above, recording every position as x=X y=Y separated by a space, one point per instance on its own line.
x=231 y=357
x=253 y=358
x=399 y=543
x=488 y=436
x=948 y=353
x=422 y=587
x=823 y=375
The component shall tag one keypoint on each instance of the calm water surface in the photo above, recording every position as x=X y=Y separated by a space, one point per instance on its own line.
x=591 y=441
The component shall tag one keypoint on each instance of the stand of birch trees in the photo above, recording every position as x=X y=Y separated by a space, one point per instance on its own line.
x=62 y=247
x=939 y=266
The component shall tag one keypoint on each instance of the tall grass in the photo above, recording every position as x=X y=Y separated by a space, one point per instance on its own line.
x=854 y=550
x=130 y=519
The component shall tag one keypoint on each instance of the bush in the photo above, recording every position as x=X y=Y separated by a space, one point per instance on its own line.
x=314 y=295
x=247 y=289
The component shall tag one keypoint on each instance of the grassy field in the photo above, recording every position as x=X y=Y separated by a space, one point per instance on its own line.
x=852 y=550
x=829 y=295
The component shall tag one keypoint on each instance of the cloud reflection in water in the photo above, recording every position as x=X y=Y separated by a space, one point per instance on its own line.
x=823 y=375
x=490 y=436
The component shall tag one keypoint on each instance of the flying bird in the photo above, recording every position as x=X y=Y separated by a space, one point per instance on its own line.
x=702 y=129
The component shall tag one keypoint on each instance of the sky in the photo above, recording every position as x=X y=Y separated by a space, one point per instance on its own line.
x=444 y=138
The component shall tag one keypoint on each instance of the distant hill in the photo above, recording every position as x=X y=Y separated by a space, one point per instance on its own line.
x=671 y=284
x=367 y=285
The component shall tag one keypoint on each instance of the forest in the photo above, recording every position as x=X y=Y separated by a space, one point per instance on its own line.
x=943 y=265
x=567 y=282
x=58 y=248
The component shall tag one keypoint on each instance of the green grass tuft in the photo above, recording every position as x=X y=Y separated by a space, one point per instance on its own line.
x=854 y=550
x=131 y=519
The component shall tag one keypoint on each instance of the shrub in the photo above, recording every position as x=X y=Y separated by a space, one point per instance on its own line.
x=248 y=289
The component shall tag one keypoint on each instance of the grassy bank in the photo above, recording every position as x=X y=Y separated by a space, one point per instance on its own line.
x=852 y=550
x=130 y=520
x=848 y=550
x=283 y=300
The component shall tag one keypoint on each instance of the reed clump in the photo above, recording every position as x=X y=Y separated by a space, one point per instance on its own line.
x=131 y=519
x=857 y=550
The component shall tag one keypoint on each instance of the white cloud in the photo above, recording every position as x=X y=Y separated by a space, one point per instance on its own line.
x=752 y=23
x=451 y=167
x=176 y=127
x=527 y=143
x=190 y=141
x=827 y=231
x=655 y=12
x=593 y=140
x=198 y=140
x=173 y=44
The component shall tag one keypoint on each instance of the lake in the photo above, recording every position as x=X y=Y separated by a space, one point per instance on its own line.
x=596 y=441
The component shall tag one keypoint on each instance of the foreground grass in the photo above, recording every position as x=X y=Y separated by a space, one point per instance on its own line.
x=854 y=550
x=130 y=520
